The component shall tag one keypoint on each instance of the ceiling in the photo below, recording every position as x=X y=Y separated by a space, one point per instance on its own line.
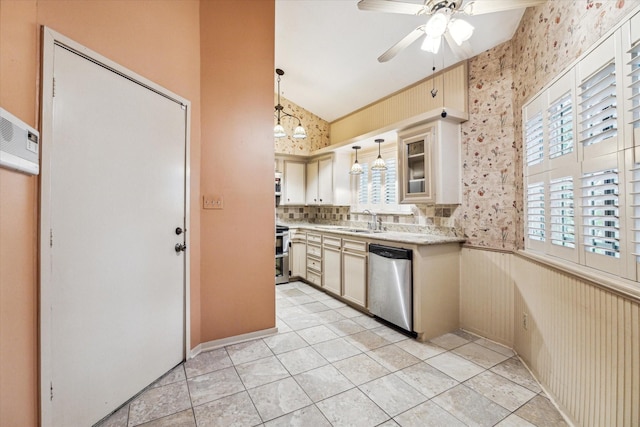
x=328 y=50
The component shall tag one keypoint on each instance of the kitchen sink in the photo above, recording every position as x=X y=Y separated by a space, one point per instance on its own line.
x=361 y=230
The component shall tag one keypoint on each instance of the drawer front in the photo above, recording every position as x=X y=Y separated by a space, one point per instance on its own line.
x=354 y=246
x=314 y=250
x=314 y=278
x=314 y=238
x=297 y=235
x=332 y=241
x=314 y=264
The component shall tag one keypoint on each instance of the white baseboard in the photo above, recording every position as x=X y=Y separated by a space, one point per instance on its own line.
x=236 y=339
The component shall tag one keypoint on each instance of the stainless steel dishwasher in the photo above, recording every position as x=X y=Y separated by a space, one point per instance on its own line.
x=390 y=285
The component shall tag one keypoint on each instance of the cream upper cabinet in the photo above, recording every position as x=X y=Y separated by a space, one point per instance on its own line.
x=325 y=181
x=294 y=183
x=320 y=182
x=312 y=183
x=429 y=158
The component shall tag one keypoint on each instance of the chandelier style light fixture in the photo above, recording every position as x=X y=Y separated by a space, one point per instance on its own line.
x=278 y=129
x=441 y=22
x=379 y=164
x=356 y=169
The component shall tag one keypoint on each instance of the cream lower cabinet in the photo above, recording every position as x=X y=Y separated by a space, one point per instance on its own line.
x=314 y=258
x=332 y=271
x=354 y=271
x=298 y=255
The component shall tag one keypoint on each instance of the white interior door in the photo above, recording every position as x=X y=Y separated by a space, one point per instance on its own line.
x=117 y=195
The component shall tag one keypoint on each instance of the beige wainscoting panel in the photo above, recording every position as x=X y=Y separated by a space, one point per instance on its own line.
x=405 y=105
x=486 y=294
x=581 y=341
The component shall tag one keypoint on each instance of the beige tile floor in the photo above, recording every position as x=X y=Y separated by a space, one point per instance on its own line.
x=330 y=365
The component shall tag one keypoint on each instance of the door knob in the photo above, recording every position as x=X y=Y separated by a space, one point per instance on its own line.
x=178 y=231
x=180 y=247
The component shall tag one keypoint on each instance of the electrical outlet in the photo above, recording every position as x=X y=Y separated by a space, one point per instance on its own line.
x=212 y=202
x=525 y=321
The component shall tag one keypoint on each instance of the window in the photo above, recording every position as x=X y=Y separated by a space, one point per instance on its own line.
x=562 y=213
x=378 y=190
x=560 y=119
x=582 y=201
x=534 y=140
x=600 y=213
x=598 y=106
x=634 y=54
x=535 y=211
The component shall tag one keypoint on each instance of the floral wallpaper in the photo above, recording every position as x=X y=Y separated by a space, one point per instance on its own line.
x=316 y=128
x=501 y=80
x=488 y=208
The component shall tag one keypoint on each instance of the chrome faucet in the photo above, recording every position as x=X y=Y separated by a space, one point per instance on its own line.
x=374 y=220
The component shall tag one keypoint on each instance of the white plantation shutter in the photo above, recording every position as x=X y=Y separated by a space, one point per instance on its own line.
x=534 y=142
x=562 y=212
x=600 y=213
x=635 y=85
x=598 y=113
x=378 y=190
x=390 y=182
x=376 y=187
x=363 y=185
x=535 y=212
x=635 y=205
x=560 y=125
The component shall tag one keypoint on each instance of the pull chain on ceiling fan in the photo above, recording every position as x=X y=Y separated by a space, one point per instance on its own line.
x=441 y=22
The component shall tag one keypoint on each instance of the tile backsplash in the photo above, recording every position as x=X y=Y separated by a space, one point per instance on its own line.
x=432 y=219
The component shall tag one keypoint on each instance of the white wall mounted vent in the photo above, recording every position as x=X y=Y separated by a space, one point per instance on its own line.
x=19 y=144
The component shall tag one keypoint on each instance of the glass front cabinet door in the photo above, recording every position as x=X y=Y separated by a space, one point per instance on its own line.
x=416 y=179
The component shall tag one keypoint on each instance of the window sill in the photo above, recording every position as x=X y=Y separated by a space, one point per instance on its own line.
x=624 y=287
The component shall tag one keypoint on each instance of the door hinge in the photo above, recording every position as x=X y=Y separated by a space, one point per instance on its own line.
x=51 y=237
x=54 y=88
x=51 y=391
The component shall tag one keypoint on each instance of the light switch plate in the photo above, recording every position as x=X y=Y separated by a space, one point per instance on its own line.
x=212 y=202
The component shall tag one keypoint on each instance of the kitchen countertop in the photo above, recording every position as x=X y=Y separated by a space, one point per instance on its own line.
x=391 y=236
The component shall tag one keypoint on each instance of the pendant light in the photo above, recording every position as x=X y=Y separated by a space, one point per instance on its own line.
x=278 y=129
x=379 y=164
x=356 y=169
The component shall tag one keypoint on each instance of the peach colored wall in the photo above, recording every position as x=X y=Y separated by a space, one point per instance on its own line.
x=237 y=247
x=158 y=39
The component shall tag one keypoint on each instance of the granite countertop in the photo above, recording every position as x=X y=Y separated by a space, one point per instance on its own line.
x=391 y=236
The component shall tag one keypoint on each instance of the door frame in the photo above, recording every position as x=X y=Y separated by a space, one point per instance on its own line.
x=50 y=39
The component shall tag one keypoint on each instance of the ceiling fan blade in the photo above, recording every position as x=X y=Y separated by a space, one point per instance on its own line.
x=405 y=42
x=480 y=7
x=463 y=51
x=390 y=6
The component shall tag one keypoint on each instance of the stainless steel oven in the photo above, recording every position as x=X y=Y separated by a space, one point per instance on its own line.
x=282 y=254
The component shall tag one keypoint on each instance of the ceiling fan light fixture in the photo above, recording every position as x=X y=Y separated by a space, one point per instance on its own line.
x=431 y=44
x=437 y=24
x=460 y=30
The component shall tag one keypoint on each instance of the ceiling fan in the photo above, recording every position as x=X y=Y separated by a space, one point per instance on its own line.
x=443 y=21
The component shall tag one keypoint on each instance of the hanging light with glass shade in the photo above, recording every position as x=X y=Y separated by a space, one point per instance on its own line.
x=356 y=168
x=278 y=129
x=379 y=164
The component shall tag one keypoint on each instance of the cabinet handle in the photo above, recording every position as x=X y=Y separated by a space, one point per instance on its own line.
x=320 y=199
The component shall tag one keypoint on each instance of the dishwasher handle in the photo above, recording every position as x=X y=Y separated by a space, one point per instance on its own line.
x=390 y=252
